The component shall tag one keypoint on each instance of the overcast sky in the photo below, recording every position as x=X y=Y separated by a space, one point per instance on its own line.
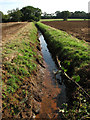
x=49 y=6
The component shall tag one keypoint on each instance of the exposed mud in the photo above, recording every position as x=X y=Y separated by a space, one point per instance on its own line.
x=79 y=29
x=48 y=105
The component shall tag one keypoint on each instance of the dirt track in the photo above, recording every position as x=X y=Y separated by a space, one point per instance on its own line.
x=79 y=29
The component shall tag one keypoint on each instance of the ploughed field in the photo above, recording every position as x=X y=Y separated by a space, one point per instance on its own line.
x=10 y=29
x=79 y=29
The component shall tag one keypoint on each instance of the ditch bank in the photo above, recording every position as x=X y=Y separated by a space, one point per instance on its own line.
x=24 y=74
x=73 y=53
x=74 y=58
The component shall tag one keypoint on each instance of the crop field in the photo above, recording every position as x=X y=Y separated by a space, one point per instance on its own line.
x=79 y=29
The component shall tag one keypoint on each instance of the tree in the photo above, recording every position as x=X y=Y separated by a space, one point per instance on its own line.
x=30 y=13
x=15 y=15
x=58 y=14
x=4 y=18
x=79 y=14
x=1 y=15
x=38 y=14
x=44 y=15
x=65 y=15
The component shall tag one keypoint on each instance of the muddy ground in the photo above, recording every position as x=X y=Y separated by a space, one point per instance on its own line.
x=79 y=29
x=43 y=95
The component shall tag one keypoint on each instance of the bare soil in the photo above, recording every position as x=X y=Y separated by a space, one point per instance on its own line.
x=79 y=29
x=10 y=29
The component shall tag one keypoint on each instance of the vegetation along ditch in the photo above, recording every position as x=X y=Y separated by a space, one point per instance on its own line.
x=74 y=56
x=20 y=94
x=29 y=87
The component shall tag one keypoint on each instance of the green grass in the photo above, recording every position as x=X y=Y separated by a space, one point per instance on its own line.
x=51 y=20
x=72 y=52
x=19 y=61
x=21 y=55
x=62 y=19
x=77 y=19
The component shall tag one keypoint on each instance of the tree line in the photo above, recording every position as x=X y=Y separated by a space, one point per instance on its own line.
x=28 y=13
x=66 y=14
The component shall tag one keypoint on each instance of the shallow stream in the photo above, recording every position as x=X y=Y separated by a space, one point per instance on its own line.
x=55 y=83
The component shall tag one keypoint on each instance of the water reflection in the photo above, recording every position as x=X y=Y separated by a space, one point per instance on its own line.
x=61 y=98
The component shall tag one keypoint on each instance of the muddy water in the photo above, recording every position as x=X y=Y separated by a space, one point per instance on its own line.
x=55 y=94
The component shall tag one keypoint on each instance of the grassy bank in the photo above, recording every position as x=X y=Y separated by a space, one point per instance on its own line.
x=19 y=62
x=73 y=53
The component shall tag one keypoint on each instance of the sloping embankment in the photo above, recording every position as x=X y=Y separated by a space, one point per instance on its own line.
x=21 y=80
x=73 y=53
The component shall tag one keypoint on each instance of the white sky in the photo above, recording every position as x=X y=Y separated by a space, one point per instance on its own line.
x=49 y=6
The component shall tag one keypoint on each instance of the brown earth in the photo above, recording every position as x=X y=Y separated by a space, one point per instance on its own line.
x=10 y=29
x=79 y=29
x=42 y=98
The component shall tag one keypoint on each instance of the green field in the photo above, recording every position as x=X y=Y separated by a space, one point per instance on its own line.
x=62 y=19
